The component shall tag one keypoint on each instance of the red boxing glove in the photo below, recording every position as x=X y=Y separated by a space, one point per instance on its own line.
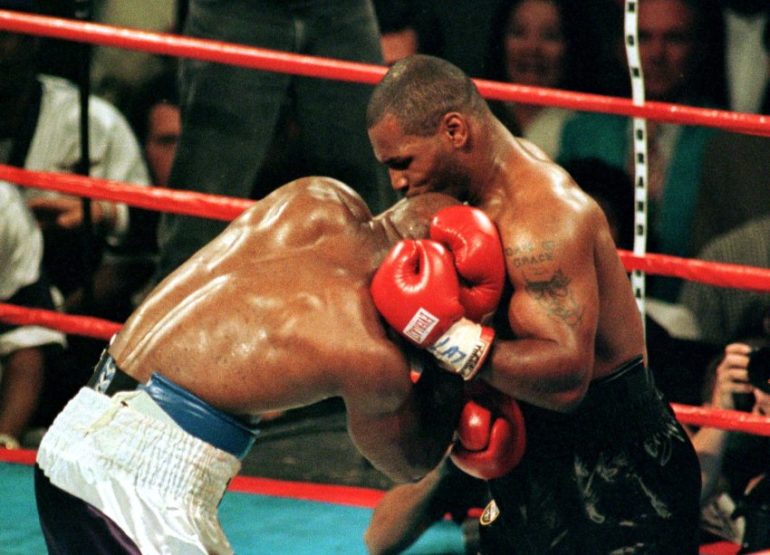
x=478 y=254
x=417 y=292
x=491 y=437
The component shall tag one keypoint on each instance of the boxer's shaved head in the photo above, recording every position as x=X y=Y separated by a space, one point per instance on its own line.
x=418 y=90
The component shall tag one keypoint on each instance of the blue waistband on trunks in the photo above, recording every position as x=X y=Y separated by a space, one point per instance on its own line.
x=198 y=418
x=191 y=413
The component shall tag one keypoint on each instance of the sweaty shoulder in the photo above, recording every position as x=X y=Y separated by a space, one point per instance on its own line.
x=305 y=209
x=533 y=175
x=542 y=199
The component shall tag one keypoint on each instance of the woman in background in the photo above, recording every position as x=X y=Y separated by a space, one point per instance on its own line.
x=533 y=44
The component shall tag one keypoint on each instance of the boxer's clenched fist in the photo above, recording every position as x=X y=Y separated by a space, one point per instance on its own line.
x=417 y=291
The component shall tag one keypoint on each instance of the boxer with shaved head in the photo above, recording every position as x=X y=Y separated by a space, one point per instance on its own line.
x=607 y=468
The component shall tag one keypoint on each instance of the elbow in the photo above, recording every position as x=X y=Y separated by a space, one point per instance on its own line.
x=410 y=471
x=568 y=401
x=419 y=469
x=571 y=392
x=426 y=459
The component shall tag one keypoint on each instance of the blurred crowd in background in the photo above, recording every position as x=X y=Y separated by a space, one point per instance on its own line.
x=220 y=129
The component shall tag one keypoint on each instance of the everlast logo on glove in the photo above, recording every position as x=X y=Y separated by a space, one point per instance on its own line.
x=420 y=326
x=463 y=348
x=465 y=365
x=417 y=290
x=443 y=349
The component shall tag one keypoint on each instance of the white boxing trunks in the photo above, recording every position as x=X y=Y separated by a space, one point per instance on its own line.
x=124 y=456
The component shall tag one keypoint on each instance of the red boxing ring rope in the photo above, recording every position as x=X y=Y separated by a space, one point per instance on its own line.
x=189 y=203
x=719 y=274
x=226 y=208
x=724 y=419
x=327 y=68
x=77 y=325
x=104 y=329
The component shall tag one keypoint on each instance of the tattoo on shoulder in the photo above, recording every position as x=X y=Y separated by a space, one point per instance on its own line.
x=555 y=295
x=545 y=281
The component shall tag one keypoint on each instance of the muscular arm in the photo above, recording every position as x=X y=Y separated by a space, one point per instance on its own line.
x=410 y=439
x=553 y=312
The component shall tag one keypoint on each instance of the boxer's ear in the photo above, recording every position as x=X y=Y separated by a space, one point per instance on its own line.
x=454 y=126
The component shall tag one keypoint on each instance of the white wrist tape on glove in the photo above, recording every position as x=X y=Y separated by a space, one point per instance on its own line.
x=463 y=348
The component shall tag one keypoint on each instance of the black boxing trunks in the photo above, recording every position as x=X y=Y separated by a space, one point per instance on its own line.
x=618 y=475
x=140 y=468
